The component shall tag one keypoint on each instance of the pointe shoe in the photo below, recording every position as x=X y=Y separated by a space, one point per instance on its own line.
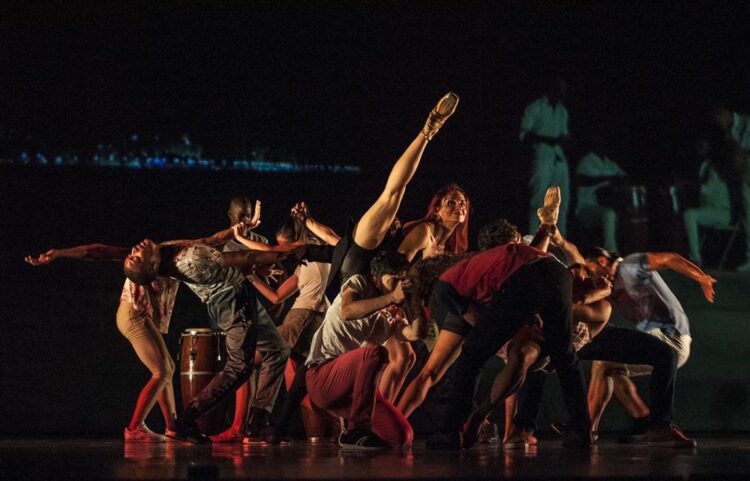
x=550 y=212
x=444 y=109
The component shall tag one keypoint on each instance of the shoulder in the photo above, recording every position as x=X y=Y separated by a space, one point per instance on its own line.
x=357 y=283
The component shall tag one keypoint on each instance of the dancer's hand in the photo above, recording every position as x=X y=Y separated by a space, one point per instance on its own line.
x=255 y=221
x=42 y=259
x=300 y=211
x=399 y=293
x=272 y=275
x=707 y=286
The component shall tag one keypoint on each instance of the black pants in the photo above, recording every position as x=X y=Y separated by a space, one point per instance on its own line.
x=542 y=287
x=616 y=344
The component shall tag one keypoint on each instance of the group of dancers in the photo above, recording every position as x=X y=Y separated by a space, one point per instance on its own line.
x=536 y=301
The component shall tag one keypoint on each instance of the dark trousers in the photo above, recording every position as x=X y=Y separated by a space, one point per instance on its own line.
x=620 y=345
x=234 y=313
x=542 y=287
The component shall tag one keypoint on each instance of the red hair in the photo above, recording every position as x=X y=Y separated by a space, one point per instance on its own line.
x=458 y=242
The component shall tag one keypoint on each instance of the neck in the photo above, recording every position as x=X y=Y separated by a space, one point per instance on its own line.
x=443 y=230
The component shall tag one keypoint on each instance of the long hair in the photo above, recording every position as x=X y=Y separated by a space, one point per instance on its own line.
x=458 y=242
x=423 y=275
x=295 y=230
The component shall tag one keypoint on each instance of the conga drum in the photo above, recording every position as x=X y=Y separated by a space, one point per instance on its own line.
x=631 y=204
x=203 y=353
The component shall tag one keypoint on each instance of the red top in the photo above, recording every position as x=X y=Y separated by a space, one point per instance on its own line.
x=481 y=275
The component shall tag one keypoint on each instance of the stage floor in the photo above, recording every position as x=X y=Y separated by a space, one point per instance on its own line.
x=106 y=459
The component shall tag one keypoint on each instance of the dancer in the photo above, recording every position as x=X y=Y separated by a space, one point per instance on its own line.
x=596 y=341
x=218 y=280
x=640 y=295
x=347 y=355
x=353 y=253
x=427 y=276
x=271 y=350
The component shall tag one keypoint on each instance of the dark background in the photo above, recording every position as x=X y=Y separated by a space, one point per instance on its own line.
x=332 y=83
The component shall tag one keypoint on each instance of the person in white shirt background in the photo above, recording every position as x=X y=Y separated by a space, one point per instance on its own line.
x=736 y=129
x=544 y=128
x=595 y=171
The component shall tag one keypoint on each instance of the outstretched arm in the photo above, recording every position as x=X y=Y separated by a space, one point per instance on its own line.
x=275 y=296
x=328 y=235
x=245 y=260
x=93 y=252
x=671 y=260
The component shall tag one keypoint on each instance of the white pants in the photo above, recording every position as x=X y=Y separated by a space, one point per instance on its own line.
x=548 y=170
x=597 y=215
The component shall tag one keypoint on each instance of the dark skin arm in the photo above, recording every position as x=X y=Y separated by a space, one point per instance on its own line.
x=245 y=260
x=670 y=260
x=92 y=252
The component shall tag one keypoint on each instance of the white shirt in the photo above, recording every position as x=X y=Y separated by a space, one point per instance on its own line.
x=714 y=191
x=594 y=165
x=545 y=119
x=741 y=130
x=311 y=282
x=337 y=336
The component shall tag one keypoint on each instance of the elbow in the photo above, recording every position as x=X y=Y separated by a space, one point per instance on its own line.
x=348 y=313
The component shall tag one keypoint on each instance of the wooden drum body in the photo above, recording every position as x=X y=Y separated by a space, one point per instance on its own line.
x=203 y=353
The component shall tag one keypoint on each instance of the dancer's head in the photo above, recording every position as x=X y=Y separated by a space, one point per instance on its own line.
x=496 y=233
x=387 y=269
x=602 y=262
x=240 y=210
x=142 y=265
x=422 y=276
x=450 y=206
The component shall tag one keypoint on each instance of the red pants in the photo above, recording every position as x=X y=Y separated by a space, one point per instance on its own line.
x=347 y=386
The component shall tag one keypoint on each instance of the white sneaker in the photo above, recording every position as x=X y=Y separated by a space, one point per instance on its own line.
x=143 y=434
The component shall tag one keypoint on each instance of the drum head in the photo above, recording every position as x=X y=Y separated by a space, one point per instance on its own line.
x=202 y=331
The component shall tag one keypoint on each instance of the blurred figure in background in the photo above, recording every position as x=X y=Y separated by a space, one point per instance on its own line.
x=544 y=129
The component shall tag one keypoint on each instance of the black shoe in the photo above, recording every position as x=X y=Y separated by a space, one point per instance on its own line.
x=440 y=440
x=471 y=431
x=638 y=432
x=578 y=440
x=563 y=428
x=258 y=426
x=186 y=429
x=361 y=439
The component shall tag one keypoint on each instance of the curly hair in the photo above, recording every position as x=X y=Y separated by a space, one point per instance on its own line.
x=497 y=232
x=423 y=275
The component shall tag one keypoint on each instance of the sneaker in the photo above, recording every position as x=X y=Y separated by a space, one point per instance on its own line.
x=520 y=439
x=637 y=433
x=445 y=107
x=578 y=440
x=670 y=436
x=361 y=439
x=470 y=434
x=440 y=440
x=188 y=431
x=228 y=436
x=143 y=434
x=488 y=433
